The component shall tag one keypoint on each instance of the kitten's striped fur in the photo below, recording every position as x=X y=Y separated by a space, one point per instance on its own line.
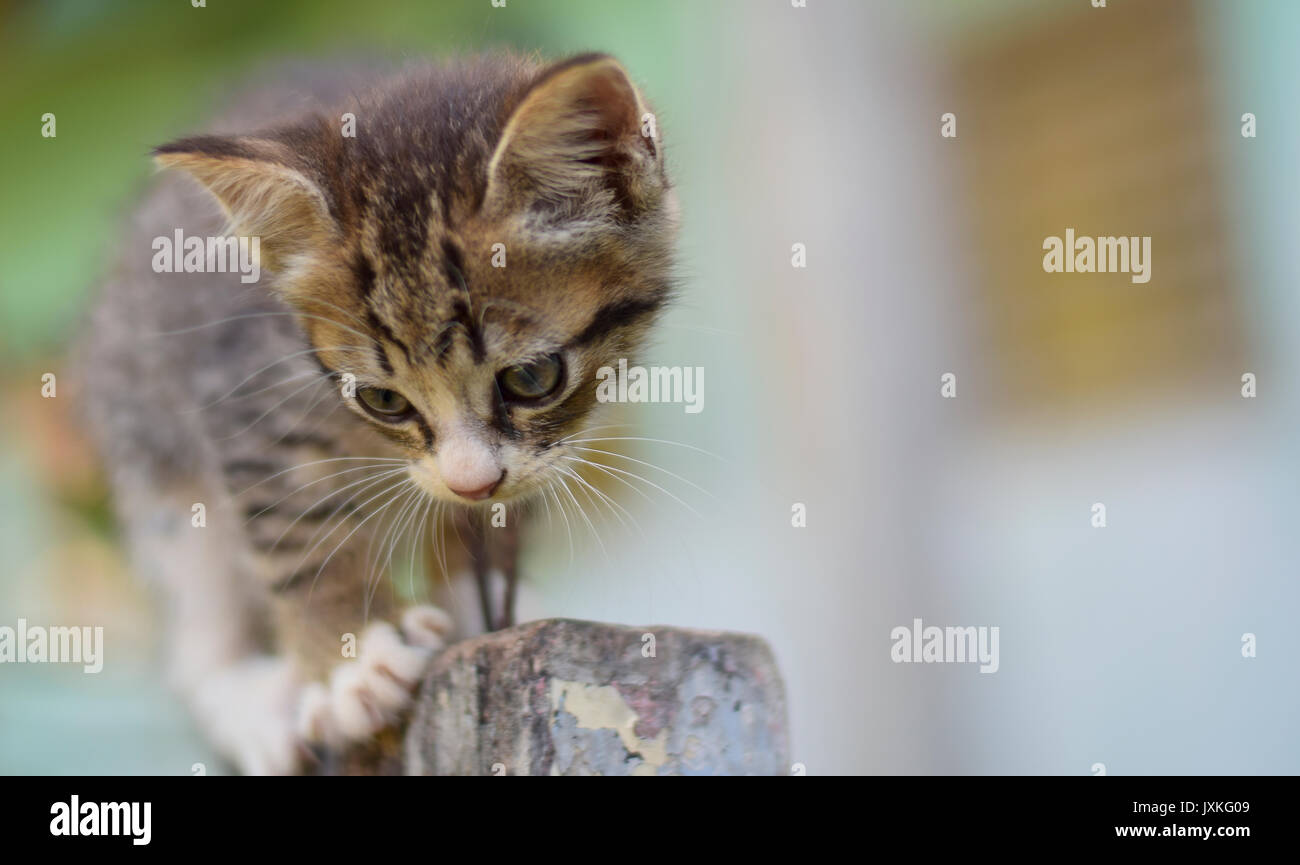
x=380 y=250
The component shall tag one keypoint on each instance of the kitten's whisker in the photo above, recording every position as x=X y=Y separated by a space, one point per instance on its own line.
x=568 y=528
x=367 y=482
x=587 y=430
x=314 y=463
x=247 y=315
x=264 y=415
x=609 y=498
x=550 y=518
x=421 y=524
x=340 y=523
x=583 y=513
x=410 y=528
x=648 y=465
x=311 y=406
x=440 y=523
x=646 y=481
x=320 y=420
x=256 y=373
x=297 y=376
x=393 y=491
x=570 y=473
x=365 y=557
x=400 y=525
x=379 y=533
x=368 y=467
x=348 y=313
x=645 y=439
x=348 y=536
x=614 y=506
x=424 y=548
x=633 y=487
x=365 y=336
x=444 y=514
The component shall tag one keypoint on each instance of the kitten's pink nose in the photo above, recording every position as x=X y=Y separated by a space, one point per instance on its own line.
x=468 y=467
x=483 y=492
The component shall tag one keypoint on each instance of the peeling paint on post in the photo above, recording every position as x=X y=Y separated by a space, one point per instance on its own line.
x=563 y=697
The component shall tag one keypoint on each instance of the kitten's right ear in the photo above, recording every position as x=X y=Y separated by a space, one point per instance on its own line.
x=581 y=143
x=262 y=193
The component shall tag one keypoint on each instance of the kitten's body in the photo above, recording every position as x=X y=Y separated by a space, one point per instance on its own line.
x=207 y=391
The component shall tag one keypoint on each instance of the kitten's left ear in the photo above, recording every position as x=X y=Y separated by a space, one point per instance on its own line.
x=580 y=142
x=262 y=189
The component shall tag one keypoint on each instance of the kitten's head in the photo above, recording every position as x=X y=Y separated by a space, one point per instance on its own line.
x=494 y=233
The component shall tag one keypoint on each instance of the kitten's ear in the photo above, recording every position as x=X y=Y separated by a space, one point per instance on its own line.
x=582 y=143
x=260 y=189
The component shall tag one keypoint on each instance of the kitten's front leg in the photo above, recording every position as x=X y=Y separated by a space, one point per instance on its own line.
x=359 y=662
x=507 y=556
x=241 y=697
x=492 y=548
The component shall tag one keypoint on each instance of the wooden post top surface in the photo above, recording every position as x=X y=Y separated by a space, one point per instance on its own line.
x=569 y=697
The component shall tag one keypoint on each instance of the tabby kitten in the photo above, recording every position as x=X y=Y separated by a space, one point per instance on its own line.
x=264 y=440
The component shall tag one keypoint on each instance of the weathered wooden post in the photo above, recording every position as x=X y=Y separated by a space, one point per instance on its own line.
x=565 y=697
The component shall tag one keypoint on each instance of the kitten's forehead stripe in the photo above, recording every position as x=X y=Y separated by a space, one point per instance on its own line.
x=460 y=314
x=441 y=345
x=456 y=262
x=404 y=232
x=614 y=315
x=363 y=271
x=381 y=353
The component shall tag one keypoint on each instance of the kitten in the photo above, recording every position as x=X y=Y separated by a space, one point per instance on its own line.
x=265 y=441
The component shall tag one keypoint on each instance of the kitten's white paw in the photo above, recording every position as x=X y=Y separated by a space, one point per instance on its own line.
x=368 y=693
x=426 y=626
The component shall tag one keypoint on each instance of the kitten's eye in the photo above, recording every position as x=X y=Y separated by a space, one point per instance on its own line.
x=529 y=382
x=380 y=401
